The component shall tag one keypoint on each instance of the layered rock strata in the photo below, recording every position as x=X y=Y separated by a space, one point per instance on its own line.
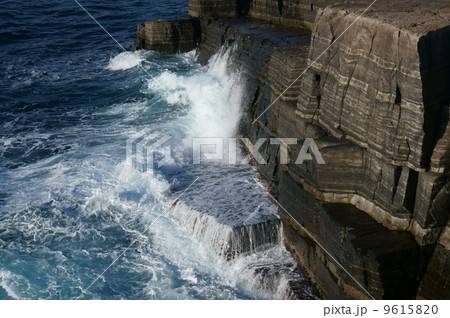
x=287 y=12
x=218 y=8
x=373 y=91
x=176 y=36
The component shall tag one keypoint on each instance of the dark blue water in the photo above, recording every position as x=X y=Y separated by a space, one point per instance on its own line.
x=69 y=203
x=53 y=62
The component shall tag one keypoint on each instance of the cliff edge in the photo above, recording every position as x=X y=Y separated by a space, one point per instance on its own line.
x=370 y=83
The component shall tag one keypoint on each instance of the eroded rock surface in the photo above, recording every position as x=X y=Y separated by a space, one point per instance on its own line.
x=176 y=36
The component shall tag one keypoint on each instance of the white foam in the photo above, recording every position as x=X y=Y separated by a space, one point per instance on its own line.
x=10 y=283
x=226 y=240
x=125 y=61
x=213 y=98
x=88 y=193
x=188 y=274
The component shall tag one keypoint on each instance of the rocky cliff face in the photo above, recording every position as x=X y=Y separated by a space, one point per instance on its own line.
x=376 y=101
x=176 y=36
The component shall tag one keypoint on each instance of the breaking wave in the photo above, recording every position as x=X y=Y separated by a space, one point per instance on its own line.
x=125 y=61
x=70 y=204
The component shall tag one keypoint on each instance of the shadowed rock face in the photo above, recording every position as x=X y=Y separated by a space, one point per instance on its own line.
x=376 y=101
x=219 y=8
x=287 y=12
x=435 y=284
x=384 y=262
x=177 y=36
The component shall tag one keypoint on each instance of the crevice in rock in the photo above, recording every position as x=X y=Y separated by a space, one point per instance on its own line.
x=317 y=78
x=398 y=96
x=222 y=40
x=411 y=189
x=371 y=42
x=366 y=274
x=280 y=7
x=176 y=39
x=254 y=102
x=197 y=32
x=444 y=118
x=243 y=7
x=396 y=114
x=344 y=95
x=317 y=84
x=433 y=53
x=317 y=93
x=397 y=174
x=377 y=184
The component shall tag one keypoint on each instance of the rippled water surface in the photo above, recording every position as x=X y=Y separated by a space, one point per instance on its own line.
x=69 y=202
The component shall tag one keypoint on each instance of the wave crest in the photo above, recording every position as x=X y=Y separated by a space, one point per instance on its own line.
x=125 y=61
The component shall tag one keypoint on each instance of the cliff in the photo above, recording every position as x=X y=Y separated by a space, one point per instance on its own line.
x=373 y=90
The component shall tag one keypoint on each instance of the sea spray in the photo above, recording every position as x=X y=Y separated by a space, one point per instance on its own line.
x=69 y=206
x=212 y=95
x=126 y=60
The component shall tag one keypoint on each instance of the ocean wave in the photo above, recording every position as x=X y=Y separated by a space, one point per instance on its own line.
x=67 y=213
x=212 y=95
x=125 y=61
x=13 y=284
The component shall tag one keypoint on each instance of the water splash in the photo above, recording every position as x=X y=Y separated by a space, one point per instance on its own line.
x=66 y=216
x=126 y=61
x=212 y=95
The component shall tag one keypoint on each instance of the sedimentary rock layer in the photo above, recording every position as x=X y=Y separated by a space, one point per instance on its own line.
x=177 y=36
x=218 y=8
x=299 y=13
x=289 y=12
x=374 y=83
x=377 y=91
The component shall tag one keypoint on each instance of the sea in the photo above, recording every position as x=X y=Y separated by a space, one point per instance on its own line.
x=81 y=215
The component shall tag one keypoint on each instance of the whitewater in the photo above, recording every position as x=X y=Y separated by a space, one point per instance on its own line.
x=71 y=204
